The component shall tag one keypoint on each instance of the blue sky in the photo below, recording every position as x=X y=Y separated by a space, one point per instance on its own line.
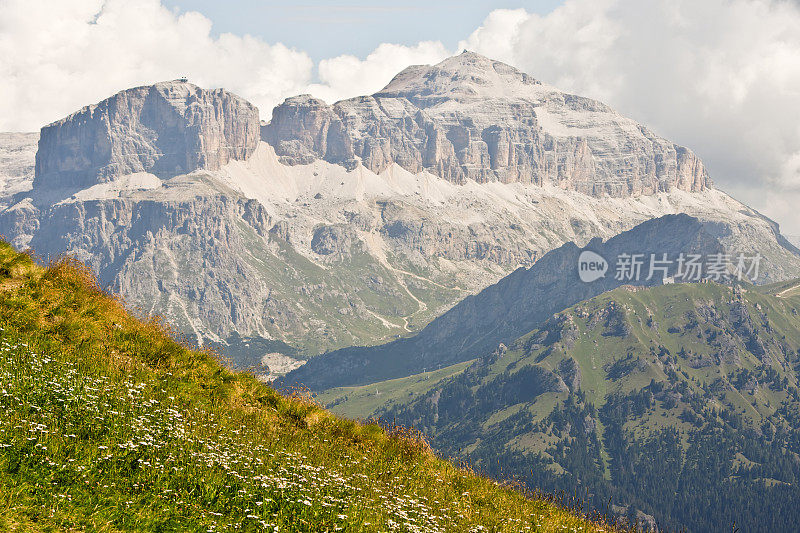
x=328 y=29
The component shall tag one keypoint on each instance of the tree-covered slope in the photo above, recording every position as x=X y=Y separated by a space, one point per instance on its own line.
x=677 y=401
x=106 y=424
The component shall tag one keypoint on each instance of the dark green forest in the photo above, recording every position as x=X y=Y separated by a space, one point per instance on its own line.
x=676 y=407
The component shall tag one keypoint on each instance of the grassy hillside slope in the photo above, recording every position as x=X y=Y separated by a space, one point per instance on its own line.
x=106 y=424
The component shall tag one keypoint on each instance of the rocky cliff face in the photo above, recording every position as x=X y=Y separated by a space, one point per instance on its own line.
x=472 y=118
x=215 y=264
x=17 y=153
x=320 y=257
x=165 y=129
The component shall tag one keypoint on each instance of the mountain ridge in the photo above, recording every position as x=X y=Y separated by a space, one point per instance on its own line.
x=327 y=254
x=501 y=312
x=703 y=376
x=167 y=128
x=471 y=118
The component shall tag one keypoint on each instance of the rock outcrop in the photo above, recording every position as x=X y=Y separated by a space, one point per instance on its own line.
x=165 y=129
x=17 y=154
x=472 y=118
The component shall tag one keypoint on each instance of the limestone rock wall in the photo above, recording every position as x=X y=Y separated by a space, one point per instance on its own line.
x=471 y=118
x=166 y=129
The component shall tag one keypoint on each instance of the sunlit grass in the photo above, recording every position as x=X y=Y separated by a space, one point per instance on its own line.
x=107 y=424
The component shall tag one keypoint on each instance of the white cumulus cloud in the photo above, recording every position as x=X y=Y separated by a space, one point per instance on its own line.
x=56 y=57
x=346 y=76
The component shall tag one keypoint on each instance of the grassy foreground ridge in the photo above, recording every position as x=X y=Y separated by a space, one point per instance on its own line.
x=107 y=424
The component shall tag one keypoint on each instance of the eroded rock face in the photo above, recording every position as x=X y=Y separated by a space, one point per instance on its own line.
x=304 y=129
x=329 y=240
x=472 y=118
x=17 y=153
x=165 y=129
x=189 y=260
x=503 y=311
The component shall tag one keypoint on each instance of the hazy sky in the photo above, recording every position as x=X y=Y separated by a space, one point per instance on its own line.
x=328 y=29
x=719 y=76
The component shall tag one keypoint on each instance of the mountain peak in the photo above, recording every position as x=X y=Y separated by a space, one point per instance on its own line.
x=467 y=74
x=167 y=128
x=470 y=117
